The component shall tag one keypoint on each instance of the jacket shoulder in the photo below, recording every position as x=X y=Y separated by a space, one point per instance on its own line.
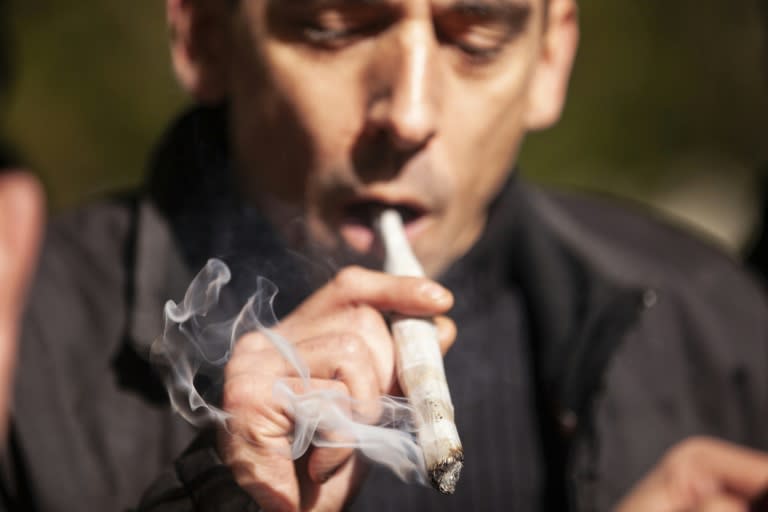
x=699 y=296
x=91 y=231
x=81 y=281
x=694 y=362
x=641 y=245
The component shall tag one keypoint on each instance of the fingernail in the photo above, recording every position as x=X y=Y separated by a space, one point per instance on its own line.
x=436 y=293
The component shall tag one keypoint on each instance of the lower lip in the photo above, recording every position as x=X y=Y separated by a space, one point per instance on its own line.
x=361 y=237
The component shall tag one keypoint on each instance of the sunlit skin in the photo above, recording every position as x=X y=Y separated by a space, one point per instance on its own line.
x=421 y=103
x=705 y=475
x=338 y=107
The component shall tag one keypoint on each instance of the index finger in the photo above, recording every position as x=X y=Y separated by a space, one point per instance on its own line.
x=412 y=296
x=742 y=471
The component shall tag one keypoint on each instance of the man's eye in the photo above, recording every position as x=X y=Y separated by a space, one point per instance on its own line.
x=334 y=28
x=479 y=42
x=482 y=32
x=318 y=34
x=482 y=42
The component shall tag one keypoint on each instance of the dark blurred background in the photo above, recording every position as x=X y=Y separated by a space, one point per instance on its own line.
x=668 y=104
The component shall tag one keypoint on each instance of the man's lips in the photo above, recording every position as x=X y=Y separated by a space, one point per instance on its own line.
x=365 y=211
x=358 y=216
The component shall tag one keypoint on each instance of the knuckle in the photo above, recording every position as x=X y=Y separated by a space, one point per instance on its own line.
x=340 y=388
x=239 y=393
x=348 y=277
x=235 y=365
x=243 y=363
x=352 y=363
x=247 y=340
x=365 y=319
x=351 y=346
x=297 y=387
x=232 y=395
x=250 y=342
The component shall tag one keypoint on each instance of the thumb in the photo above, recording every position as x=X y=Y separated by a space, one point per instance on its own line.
x=21 y=214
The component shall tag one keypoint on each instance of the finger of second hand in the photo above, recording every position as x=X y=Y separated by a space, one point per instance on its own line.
x=723 y=503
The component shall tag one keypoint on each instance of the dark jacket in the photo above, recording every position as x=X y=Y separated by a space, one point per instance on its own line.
x=639 y=337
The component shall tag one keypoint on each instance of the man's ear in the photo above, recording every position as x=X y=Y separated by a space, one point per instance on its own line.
x=549 y=85
x=199 y=46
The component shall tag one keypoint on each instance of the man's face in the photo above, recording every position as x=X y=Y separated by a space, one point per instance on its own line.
x=339 y=107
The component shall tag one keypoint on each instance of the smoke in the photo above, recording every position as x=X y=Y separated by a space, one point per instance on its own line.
x=198 y=340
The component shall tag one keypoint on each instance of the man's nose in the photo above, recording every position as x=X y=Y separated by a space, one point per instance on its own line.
x=405 y=87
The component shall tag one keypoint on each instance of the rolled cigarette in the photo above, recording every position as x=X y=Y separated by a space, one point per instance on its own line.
x=420 y=368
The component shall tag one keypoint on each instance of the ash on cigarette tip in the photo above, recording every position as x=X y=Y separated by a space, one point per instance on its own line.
x=445 y=475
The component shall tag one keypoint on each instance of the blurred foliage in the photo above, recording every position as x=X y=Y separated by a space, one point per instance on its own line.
x=658 y=88
x=93 y=91
x=660 y=91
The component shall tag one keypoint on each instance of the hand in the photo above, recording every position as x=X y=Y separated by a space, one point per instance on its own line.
x=341 y=335
x=21 y=214
x=701 y=474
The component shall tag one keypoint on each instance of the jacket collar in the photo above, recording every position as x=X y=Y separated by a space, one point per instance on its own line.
x=188 y=212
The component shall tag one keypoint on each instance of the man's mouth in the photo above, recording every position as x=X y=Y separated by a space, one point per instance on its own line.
x=358 y=219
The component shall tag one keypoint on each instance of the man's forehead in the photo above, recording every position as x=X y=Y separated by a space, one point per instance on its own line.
x=476 y=5
x=507 y=10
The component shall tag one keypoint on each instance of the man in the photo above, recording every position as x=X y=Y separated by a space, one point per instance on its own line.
x=590 y=339
x=704 y=475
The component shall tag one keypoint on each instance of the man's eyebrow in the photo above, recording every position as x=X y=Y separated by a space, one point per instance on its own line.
x=321 y=3
x=477 y=6
x=505 y=9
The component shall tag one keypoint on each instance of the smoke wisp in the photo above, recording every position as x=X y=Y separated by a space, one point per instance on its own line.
x=198 y=341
